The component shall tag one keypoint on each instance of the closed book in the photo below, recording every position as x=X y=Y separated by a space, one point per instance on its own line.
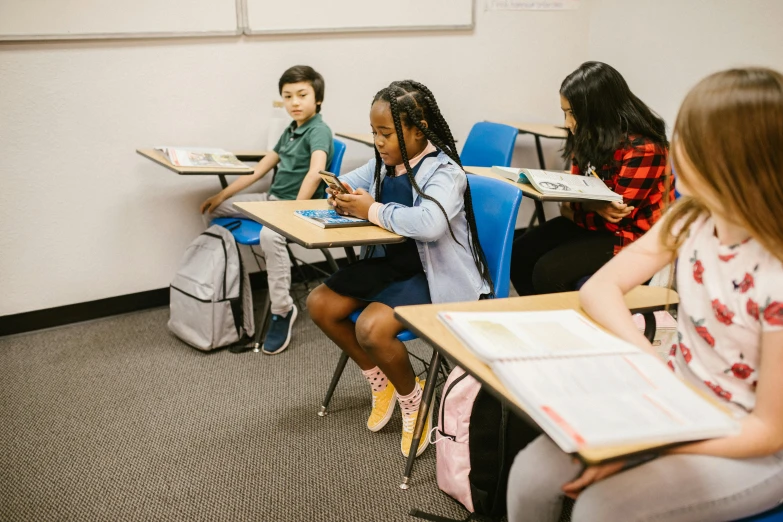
x=330 y=219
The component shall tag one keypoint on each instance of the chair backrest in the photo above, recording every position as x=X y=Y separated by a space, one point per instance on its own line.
x=337 y=157
x=495 y=205
x=489 y=144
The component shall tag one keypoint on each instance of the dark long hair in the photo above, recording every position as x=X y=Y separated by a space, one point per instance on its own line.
x=606 y=113
x=411 y=103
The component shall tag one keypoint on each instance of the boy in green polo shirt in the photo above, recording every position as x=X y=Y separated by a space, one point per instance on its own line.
x=304 y=149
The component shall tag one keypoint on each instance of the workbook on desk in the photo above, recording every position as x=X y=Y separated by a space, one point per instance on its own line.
x=330 y=219
x=195 y=157
x=584 y=387
x=561 y=184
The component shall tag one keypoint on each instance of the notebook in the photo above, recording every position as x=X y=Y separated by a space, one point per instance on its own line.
x=330 y=219
x=584 y=387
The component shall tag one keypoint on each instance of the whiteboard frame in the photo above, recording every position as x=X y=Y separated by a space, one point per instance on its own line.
x=326 y=30
x=240 y=12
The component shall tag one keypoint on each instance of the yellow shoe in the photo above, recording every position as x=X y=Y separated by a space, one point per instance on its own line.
x=383 y=403
x=408 y=424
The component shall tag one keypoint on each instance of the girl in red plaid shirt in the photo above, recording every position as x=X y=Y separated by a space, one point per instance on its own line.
x=613 y=135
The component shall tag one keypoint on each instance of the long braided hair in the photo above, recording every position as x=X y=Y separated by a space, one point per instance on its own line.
x=411 y=103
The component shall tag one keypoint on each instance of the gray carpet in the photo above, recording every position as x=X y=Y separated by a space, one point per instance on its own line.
x=118 y=420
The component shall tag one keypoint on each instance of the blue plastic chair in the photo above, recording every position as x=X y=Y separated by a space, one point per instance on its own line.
x=248 y=232
x=489 y=144
x=773 y=515
x=495 y=206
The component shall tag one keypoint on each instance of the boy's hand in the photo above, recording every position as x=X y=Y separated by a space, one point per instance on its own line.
x=612 y=212
x=212 y=203
x=356 y=204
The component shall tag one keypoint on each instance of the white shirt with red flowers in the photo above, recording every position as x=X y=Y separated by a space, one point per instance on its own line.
x=729 y=296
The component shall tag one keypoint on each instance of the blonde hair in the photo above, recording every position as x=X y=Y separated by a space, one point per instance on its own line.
x=730 y=131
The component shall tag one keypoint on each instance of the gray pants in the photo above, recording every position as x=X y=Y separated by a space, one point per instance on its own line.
x=678 y=488
x=273 y=245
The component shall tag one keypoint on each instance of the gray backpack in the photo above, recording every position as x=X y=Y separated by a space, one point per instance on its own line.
x=210 y=298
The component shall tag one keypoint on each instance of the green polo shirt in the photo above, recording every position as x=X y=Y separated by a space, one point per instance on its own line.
x=295 y=147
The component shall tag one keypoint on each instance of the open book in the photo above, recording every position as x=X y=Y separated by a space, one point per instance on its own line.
x=561 y=185
x=330 y=219
x=193 y=157
x=584 y=387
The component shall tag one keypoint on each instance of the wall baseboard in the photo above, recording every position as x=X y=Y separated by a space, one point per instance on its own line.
x=74 y=313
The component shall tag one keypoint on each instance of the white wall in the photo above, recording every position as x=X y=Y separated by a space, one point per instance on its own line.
x=82 y=217
x=664 y=47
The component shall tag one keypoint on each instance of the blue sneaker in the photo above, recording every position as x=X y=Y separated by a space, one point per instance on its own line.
x=279 y=335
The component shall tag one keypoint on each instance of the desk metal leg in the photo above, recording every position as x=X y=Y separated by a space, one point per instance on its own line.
x=350 y=254
x=540 y=153
x=424 y=408
x=540 y=213
x=262 y=325
x=223 y=182
x=338 y=372
x=649 y=325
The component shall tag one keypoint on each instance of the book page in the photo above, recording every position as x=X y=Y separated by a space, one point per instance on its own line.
x=556 y=183
x=523 y=335
x=612 y=400
x=195 y=157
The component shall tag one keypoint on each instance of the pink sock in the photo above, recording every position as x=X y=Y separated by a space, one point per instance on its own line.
x=410 y=403
x=376 y=378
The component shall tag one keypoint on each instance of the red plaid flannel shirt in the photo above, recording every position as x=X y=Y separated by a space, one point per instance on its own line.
x=639 y=178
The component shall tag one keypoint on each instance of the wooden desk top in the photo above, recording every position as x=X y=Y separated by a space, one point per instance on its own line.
x=367 y=139
x=160 y=159
x=545 y=130
x=526 y=189
x=280 y=217
x=423 y=321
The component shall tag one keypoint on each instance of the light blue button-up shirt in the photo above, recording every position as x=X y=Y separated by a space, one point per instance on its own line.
x=451 y=272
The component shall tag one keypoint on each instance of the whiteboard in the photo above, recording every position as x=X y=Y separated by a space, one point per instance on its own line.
x=72 y=19
x=320 y=16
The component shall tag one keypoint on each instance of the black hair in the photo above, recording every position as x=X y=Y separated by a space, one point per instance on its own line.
x=606 y=112
x=304 y=73
x=411 y=103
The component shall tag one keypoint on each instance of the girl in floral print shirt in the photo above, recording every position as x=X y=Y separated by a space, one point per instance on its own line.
x=727 y=238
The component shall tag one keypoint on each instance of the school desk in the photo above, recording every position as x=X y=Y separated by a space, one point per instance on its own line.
x=280 y=217
x=220 y=172
x=538 y=130
x=527 y=190
x=423 y=321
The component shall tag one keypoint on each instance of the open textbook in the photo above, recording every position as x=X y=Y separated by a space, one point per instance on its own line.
x=195 y=157
x=584 y=387
x=561 y=185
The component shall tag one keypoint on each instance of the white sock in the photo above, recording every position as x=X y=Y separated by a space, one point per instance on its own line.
x=376 y=378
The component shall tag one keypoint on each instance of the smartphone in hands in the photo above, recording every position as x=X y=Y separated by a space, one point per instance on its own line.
x=335 y=184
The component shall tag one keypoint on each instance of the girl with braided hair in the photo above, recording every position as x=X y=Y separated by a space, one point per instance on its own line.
x=416 y=187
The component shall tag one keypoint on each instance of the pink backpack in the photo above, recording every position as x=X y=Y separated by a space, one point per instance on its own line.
x=477 y=440
x=452 y=450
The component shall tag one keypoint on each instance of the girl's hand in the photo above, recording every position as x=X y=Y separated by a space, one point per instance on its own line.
x=612 y=211
x=356 y=204
x=212 y=203
x=332 y=193
x=591 y=475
